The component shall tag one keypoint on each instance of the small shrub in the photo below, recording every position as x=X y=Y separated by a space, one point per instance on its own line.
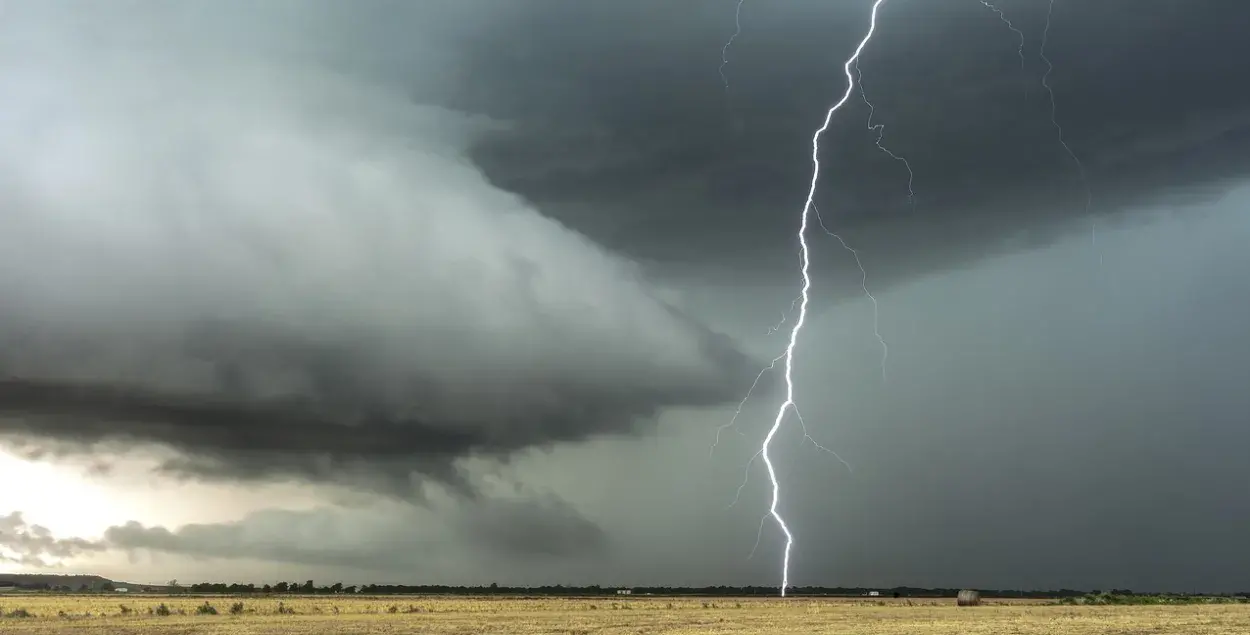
x=125 y=610
x=236 y=608
x=392 y=609
x=283 y=609
x=163 y=610
x=19 y=613
x=206 y=609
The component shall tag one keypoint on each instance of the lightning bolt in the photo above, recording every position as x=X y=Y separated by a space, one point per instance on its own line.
x=1018 y=32
x=724 y=51
x=863 y=283
x=777 y=327
x=1054 y=120
x=911 y=198
x=805 y=262
x=759 y=534
x=880 y=130
x=738 y=411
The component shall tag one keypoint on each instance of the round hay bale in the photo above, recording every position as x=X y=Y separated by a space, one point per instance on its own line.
x=968 y=597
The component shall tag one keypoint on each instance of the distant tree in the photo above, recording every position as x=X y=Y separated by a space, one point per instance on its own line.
x=281 y=587
x=309 y=587
x=107 y=587
x=266 y=589
x=337 y=587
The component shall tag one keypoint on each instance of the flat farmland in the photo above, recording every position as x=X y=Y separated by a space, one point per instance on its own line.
x=185 y=615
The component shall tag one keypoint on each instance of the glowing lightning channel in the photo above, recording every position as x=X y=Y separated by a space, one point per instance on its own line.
x=805 y=261
x=863 y=283
x=1018 y=32
x=724 y=51
x=741 y=404
x=880 y=130
x=806 y=437
x=777 y=327
x=911 y=198
x=1089 y=194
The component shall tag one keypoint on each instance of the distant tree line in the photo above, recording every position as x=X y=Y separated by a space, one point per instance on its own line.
x=309 y=587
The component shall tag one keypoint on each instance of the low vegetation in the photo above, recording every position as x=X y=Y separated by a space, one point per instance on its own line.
x=1131 y=599
x=54 y=614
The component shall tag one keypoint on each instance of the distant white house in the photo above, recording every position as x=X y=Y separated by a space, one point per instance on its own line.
x=874 y=594
x=624 y=591
x=121 y=590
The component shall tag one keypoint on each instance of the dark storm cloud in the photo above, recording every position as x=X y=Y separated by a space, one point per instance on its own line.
x=29 y=545
x=534 y=528
x=340 y=423
x=506 y=530
x=235 y=234
x=620 y=108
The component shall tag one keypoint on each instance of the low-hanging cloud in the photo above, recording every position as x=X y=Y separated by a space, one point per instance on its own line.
x=278 y=268
x=386 y=538
x=30 y=545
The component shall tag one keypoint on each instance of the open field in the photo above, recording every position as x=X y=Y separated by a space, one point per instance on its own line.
x=64 y=614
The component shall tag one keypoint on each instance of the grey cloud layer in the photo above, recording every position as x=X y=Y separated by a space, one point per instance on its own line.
x=282 y=268
x=28 y=545
x=510 y=532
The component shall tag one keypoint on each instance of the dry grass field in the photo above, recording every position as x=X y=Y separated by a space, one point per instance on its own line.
x=96 y=614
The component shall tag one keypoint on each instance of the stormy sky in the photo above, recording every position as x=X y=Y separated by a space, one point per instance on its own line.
x=462 y=291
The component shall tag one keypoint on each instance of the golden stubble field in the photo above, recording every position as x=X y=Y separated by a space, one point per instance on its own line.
x=64 y=614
